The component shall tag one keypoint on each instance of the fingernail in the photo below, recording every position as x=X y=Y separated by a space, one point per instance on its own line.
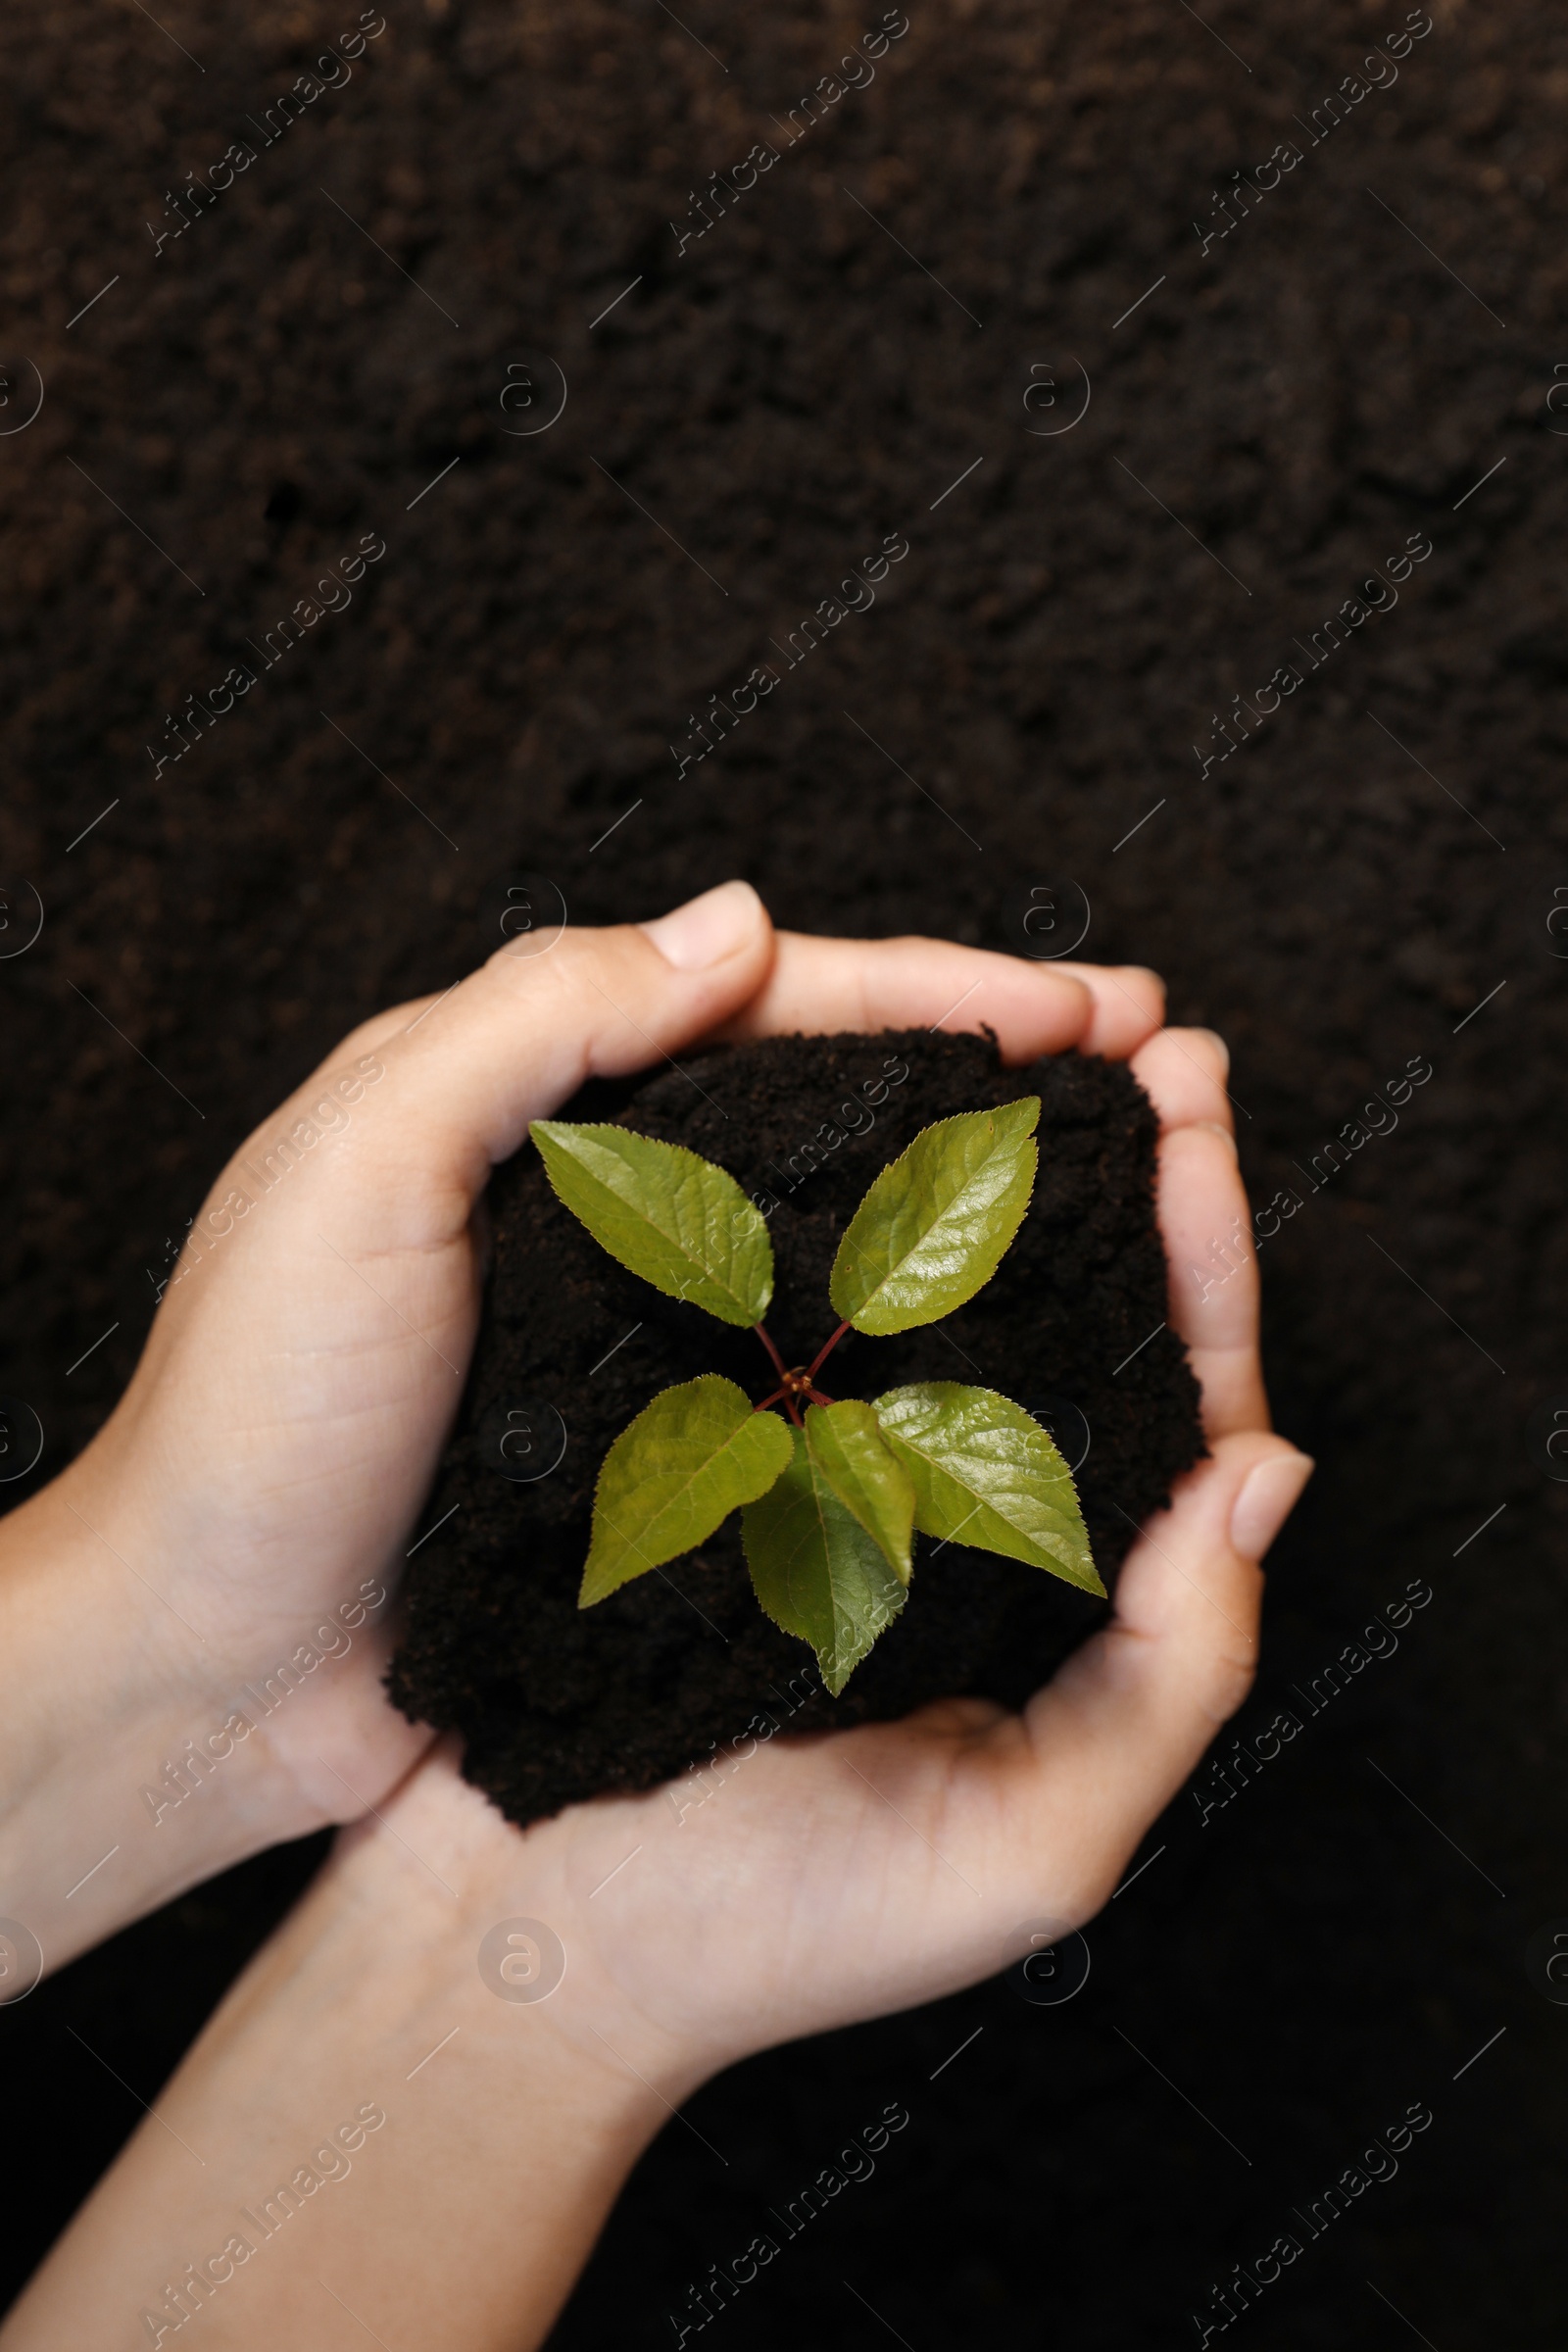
x=1268 y=1494
x=705 y=930
x=1220 y=1047
x=1213 y=1127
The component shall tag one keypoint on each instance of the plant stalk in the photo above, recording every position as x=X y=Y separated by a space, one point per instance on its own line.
x=812 y=1369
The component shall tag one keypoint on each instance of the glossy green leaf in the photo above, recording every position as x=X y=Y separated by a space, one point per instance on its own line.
x=935 y=1225
x=817 y=1571
x=690 y=1459
x=846 y=1446
x=677 y=1220
x=987 y=1474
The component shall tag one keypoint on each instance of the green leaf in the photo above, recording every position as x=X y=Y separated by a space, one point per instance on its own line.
x=934 y=1227
x=678 y=1221
x=817 y=1571
x=844 y=1443
x=690 y=1459
x=987 y=1474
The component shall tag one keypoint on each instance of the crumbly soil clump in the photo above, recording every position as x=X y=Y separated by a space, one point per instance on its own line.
x=557 y=1703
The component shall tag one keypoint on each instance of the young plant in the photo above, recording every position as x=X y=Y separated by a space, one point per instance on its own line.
x=834 y=1493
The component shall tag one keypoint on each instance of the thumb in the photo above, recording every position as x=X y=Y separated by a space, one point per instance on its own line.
x=382 y=1155
x=464 y=1076
x=1190 y=1594
x=1114 y=1734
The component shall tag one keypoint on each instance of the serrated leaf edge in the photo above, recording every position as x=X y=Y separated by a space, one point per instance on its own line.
x=1028 y=1136
x=630 y=1542
x=1059 y=1568
x=555 y=1127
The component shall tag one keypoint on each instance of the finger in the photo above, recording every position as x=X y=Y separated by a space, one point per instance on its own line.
x=1129 y=1005
x=381 y=1026
x=820 y=986
x=1128 y=1001
x=1212 y=1266
x=468 y=1070
x=1113 y=1737
x=1183 y=1072
x=373 y=1176
x=825 y=985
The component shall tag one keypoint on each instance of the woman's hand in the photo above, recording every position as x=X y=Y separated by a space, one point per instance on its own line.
x=195 y=1614
x=823 y=1880
x=834 y=1877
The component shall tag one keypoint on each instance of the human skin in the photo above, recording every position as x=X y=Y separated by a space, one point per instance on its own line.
x=837 y=1877
x=275 y=1446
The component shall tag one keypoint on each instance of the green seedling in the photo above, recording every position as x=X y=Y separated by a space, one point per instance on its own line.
x=833 y=1492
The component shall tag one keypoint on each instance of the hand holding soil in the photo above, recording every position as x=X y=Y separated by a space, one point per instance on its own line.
x=835 y=1876
x=270 y=1460
x=259 y=1482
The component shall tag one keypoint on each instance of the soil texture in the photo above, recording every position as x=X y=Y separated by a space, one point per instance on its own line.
x=558 y=1703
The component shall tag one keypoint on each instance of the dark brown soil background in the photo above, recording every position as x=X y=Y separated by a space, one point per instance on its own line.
x=557 y=1703
x=1367 y=879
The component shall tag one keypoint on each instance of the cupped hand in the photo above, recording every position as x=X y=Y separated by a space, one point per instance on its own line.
x=293 y=1401
x=809 y=1882
x=235 y=1532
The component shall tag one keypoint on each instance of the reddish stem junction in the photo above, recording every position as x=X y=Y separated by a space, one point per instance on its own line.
x=801 y=1383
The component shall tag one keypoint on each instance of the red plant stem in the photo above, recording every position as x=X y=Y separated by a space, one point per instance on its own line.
x=789 y=1407
x=779 y=1364
x=767 y=1400
x=812 y=1369
x=817 y=1397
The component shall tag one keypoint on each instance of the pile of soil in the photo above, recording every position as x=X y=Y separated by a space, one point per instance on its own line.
x=557 y=1703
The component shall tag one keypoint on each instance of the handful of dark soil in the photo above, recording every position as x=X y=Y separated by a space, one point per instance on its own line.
x=558 y=1704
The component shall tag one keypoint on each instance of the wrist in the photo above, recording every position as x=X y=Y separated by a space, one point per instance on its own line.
x=508 y=1918
x=457 y=2149
x=89 y=1677
x=122 y=1760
